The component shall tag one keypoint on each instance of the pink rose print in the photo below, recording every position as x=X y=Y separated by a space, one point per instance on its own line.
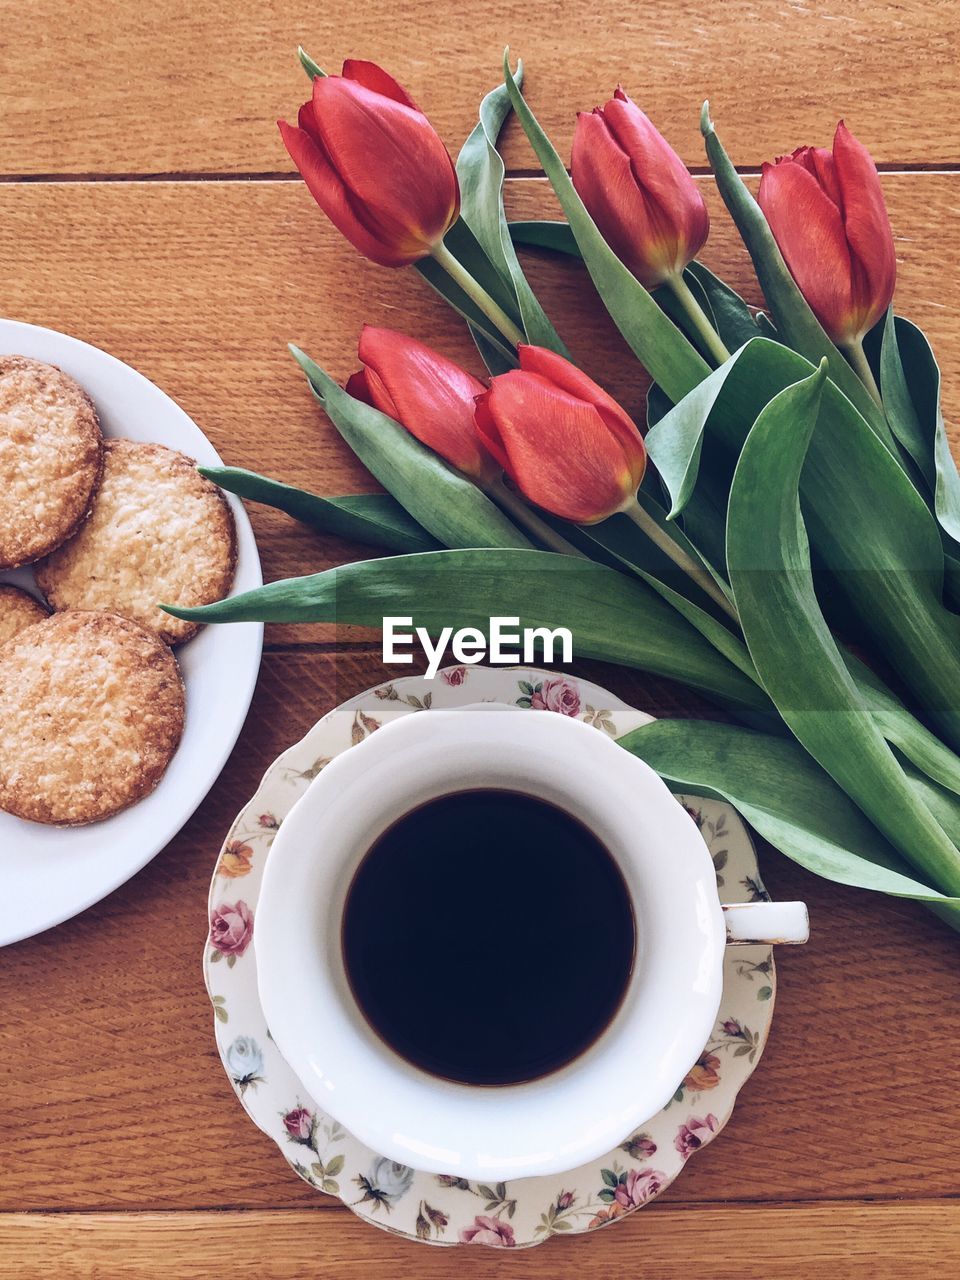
x=455 y=676
x=696 y=1133
x=557 y=695
x=231 y=928
x=731 y=1027
x=640 y=1185
x=299 y=1124
x=488 y=1231
x=565 y=1200
x=268 y=822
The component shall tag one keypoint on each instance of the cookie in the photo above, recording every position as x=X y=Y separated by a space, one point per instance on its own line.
x=91 y=712
x=18 y=609
x=50 y=458
x=158 y=531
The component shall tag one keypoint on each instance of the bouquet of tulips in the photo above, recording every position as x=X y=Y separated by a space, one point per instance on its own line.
x=781 y=534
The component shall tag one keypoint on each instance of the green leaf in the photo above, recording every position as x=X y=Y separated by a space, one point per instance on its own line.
x=659 y=345
x=481 y=172
x=674 y=444
x=609 y=1177
x=375 y=518
x=335 y=1165
x=610 y=615
x=765 y=993
x=797 y=658
x=874 y=535
x=556 y=236
x=443 y=501
x=796 y=323
x=785 y=795
x=734 y=320
x=910 y=382
x=313 y=69
x=465 y=247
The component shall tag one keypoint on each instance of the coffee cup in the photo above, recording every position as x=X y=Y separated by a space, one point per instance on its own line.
x=670 y=997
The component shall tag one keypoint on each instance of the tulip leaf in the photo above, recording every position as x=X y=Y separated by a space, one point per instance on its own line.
x=910 y=381
x=313 y=69
x=626 y=545
x=374 y=518
x=733 y=319
x=611 y=616
x=481 y=172
x=556 y=236
x=443 y=501
x=664 y=351
x=884 y=555
x=784 y=795
x=796 y=323
x=797 y=658
x=674 y=444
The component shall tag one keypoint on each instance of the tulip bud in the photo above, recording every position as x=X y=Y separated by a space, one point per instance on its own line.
x=426 y=393
x=637 y=190
x=827 y=214
x=375 y=164
x=566 y=445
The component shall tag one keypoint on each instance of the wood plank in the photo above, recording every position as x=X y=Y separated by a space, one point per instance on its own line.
x=200 y=286
x=736 y=1242
x=112 y=1094
x=175 y=87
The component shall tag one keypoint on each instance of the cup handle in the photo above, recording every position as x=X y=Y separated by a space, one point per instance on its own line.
x=753 y=922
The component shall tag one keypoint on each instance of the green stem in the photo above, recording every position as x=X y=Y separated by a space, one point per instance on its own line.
x=696 y=572
x=695 y=313
x=861 y=366
x=528 y=519
x=474 y=290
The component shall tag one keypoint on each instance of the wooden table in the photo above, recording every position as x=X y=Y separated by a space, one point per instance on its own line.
x=147 y=206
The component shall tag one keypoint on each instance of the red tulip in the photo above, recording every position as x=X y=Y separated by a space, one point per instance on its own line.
x=426 y=393
x=565 y=444
x=827 y=213
x=375 y=164
x=637 y=190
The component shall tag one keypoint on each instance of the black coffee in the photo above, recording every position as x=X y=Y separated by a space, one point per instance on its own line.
x=488 y=937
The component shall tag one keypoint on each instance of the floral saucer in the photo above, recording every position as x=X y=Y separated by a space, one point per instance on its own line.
x=446 y=1209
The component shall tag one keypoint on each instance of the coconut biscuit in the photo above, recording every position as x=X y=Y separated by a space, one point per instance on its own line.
x=50 y=457
x=91 y=712
x=158 y=531
x=18 y=609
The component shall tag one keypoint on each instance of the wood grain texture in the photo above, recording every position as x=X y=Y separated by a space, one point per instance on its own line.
x=844 y=1242
x=112 y=1094
x=108 y=87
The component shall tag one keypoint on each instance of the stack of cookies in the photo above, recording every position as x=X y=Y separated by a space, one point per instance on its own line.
x=91 y=697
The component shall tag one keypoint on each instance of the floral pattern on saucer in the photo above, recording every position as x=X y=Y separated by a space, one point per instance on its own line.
x=448 y=1209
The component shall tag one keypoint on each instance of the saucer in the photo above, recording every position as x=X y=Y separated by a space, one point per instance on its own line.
x=440 y=1208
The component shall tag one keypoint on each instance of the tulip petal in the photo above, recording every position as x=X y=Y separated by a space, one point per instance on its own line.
x=809 y=231
x=373 y=77
x=574 y=381
x=676 y=203
x=604 y=180
x=326 y=188
x=427 y=393
x=399 y=176
x=555 y=447
x=867 y=226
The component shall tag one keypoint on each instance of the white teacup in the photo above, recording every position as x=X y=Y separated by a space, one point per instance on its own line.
x=667 y=1015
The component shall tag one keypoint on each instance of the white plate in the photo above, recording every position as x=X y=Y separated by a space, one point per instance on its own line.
x=48 y=874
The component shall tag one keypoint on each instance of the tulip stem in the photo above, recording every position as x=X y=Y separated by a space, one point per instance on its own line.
x=861 y=366
x=476 y=292
x=698 y=318
x=515 y=506
x=696 y=572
